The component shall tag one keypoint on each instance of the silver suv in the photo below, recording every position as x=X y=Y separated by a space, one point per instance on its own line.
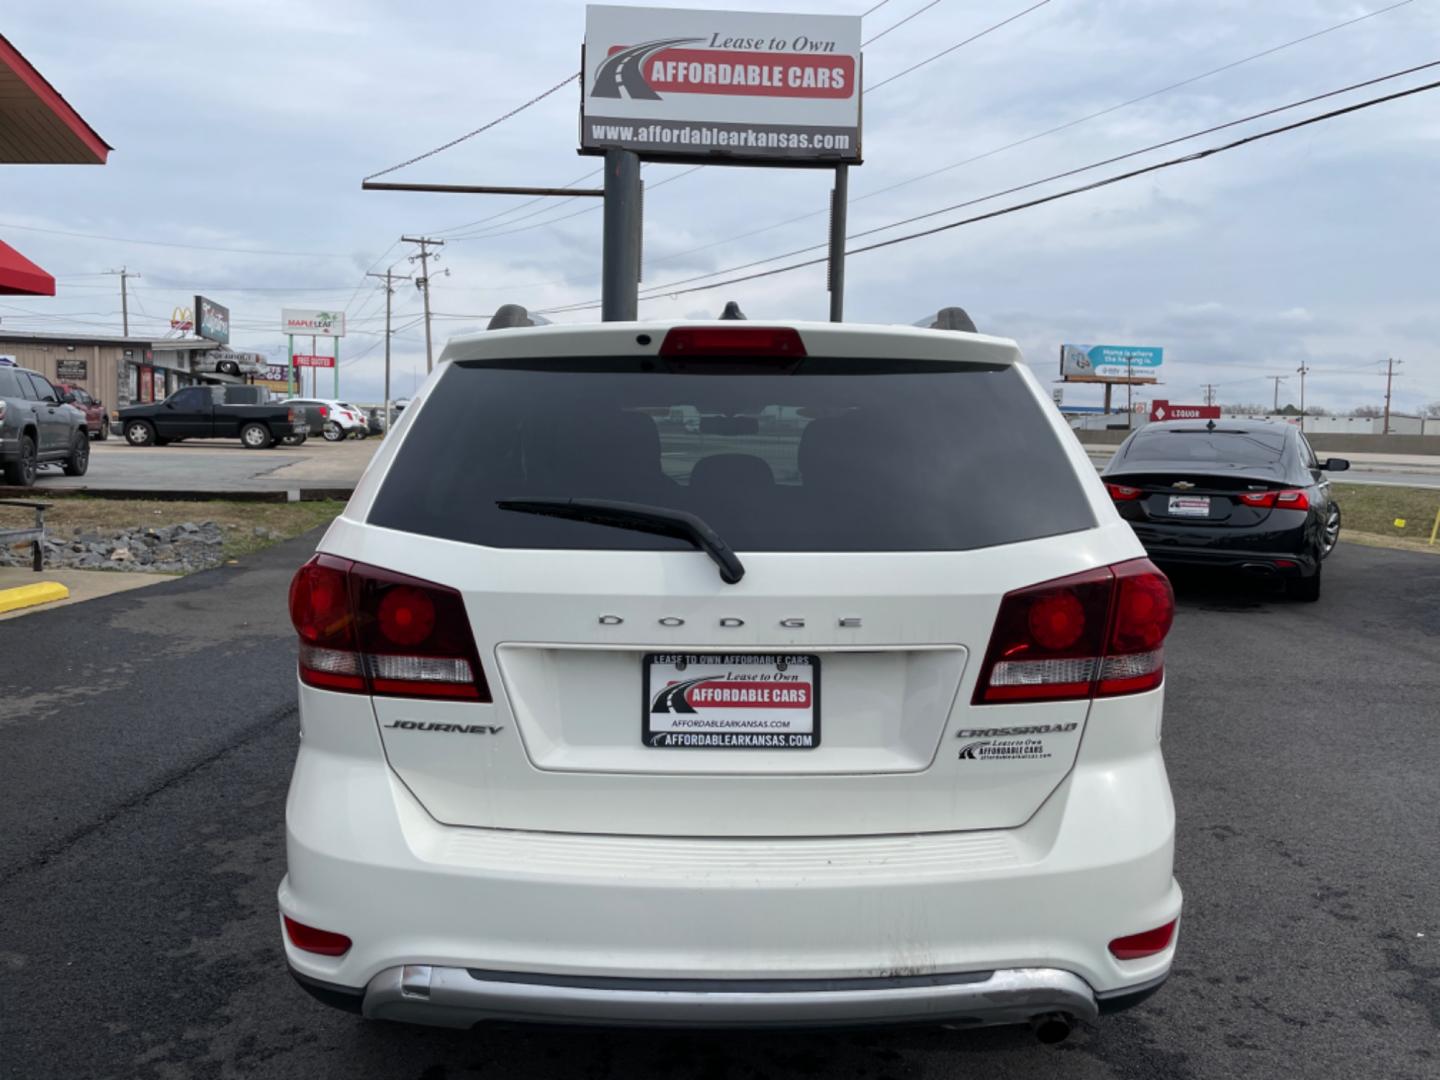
x=38 y=425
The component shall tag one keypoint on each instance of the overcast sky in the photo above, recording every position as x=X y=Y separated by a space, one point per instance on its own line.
x=248 y=124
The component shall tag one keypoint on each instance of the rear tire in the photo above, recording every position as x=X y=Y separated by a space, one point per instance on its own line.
x=21 y=471
x=256 y=437
x=1305 y=589
x=104 y=432
x=79 y=460
x=1331 y=534
x=333 y=432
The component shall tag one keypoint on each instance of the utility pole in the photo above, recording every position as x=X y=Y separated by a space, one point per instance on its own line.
x=1303 y=369
x=1209 y=393
x=1277 y=380
x=388 y=277
x=124 y=273
x=1389 y=378
x=423 y=284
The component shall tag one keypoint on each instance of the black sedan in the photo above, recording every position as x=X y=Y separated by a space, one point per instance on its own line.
x=1247 y=495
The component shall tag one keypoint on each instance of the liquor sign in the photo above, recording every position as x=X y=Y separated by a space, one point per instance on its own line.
x=308 y=360
x=308 y=321
x=1133 y=363
x=1163 y=410
x=212 y=320
x=721 y=85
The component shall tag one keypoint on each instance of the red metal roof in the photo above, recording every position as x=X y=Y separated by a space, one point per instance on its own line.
x=21 y=277
x=37 y=125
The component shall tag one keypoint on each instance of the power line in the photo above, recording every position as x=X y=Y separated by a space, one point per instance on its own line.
x=482 y=128
x=1021 y=142
x=696 y=168
x=668 y=286
x=1198 y=155
x=895 y=26
x=957 y=45
x=171 y=244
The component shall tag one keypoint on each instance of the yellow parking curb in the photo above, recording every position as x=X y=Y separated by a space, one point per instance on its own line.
x=43 y=592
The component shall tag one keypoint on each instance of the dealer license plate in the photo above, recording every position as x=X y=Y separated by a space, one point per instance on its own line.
x=1196 y=506
x=739 y=701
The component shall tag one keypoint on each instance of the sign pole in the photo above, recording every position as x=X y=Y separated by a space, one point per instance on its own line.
x=312 y=368
x=839 y=205
x=336 y=358
x=620 y=270
x=290 y=372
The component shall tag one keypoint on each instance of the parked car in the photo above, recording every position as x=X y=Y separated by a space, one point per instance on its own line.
x=97 y=420
x=341 y=420
x=260 y=395
x=851 y=720
x=375 y=420
x=1246 y=495
x=38 y=426
x=200 y=412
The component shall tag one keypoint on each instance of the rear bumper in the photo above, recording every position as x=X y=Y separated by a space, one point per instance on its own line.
x=968 y=927
x=1263 y=563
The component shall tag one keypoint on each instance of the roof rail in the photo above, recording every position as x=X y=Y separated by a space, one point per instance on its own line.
x=950 y=318
x=511 y=315
x=732 y=311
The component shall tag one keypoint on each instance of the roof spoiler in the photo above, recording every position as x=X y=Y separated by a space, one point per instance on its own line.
x=950 y=318
x=511 y=315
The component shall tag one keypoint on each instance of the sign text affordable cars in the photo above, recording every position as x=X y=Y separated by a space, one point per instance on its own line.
x=306 y=321
x=722 y=84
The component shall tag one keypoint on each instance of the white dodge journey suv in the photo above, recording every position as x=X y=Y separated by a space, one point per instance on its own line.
x=718 y=674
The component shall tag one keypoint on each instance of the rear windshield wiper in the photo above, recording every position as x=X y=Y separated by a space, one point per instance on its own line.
x=639 y=517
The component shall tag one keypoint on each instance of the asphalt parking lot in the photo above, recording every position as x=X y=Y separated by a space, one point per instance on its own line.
x=148 y=737
x=216 y=465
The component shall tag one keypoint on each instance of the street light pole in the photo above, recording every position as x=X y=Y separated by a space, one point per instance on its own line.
x=1303 y=369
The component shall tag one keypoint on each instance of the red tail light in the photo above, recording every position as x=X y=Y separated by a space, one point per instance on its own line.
x=1290 y=499
x=1139 y=946
x=309 y=939
x=1094 y=634
x=1121 y=493
x=683 y=341
x=365 y=630
x=324 y=411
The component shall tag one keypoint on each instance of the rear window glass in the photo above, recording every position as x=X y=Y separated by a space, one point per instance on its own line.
x=819 y=455
x=9 y=384
x=1196 y=444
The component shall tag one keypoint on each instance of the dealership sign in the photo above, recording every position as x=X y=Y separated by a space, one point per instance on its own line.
x=319 y=323
x=1102 y=362
x=721 y=85
x=1163 y=410
x=212 y=320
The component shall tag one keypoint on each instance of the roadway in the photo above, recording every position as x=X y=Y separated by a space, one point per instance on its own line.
x=148 y=738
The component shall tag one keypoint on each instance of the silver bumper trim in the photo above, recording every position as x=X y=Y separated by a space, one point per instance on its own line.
x=457 y=997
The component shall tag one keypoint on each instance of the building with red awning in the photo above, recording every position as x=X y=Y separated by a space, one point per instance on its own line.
x=37 y=127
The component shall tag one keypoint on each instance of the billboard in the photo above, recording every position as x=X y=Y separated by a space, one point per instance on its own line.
x=721 y=85
x=211 y=320
x=1101 y=362
x=308 y=321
